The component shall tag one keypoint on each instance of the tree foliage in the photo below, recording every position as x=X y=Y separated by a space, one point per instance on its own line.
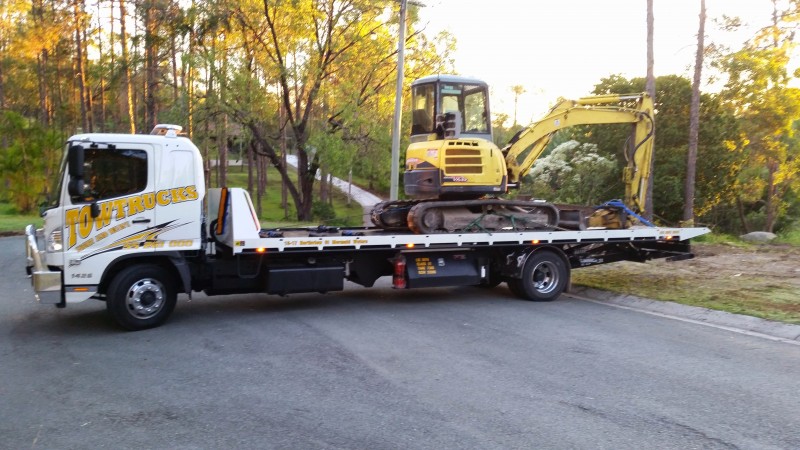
x=313 y=78
x=719 y=158
x=759 y=94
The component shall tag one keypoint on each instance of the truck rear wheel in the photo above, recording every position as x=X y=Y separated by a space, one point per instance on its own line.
x=141 y=297
x=544 y=277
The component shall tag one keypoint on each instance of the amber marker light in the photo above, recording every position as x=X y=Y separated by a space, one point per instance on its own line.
x=81 y=289
x=410 y=245
x=261 y=250
x=535 y=241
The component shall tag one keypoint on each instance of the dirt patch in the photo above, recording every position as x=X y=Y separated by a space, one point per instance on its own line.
x=763 y=281
x=779 y=262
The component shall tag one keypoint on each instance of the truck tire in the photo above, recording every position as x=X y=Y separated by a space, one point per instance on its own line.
x=544 y=278
x=141 y=296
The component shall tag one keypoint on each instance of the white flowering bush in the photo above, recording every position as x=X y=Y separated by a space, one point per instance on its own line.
x=572 y=173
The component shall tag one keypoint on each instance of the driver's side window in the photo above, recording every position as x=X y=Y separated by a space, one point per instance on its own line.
x=112 y=173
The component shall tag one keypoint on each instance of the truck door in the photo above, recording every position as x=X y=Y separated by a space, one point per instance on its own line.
x=115 y=212
x=179 y=202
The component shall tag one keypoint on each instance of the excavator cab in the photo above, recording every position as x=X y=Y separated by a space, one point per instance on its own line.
x=450 y=107
x=451 y=154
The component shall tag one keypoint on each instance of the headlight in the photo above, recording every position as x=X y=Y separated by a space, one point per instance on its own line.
x=54 y=241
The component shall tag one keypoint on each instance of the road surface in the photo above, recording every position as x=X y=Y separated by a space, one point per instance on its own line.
x=385 y=369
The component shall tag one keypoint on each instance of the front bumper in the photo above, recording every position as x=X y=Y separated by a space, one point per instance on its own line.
x=46 y=283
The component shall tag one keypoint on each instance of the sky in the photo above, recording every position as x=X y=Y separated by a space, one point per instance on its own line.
x=563 y=48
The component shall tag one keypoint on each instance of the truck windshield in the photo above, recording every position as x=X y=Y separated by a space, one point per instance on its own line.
x=56 y=183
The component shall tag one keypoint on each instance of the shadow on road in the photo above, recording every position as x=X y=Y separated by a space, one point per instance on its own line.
x=90 y=319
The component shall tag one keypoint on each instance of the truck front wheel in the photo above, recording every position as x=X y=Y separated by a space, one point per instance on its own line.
x=544 y=277
x=141 y=297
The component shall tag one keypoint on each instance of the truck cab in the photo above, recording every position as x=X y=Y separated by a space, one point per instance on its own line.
x=120 y=196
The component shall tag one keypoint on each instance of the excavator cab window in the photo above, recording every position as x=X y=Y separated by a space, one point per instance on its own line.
x=430 y=101
x=423 y=100
x=470 y=101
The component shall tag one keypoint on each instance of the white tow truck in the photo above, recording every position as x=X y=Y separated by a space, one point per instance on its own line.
x=134 y=226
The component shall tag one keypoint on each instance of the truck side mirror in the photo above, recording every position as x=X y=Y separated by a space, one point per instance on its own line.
x=75 y=158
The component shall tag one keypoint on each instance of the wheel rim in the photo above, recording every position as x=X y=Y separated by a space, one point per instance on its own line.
x=146 y=298
x=545 y=277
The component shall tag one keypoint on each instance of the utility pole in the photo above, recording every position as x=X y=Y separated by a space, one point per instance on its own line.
x=398 y=104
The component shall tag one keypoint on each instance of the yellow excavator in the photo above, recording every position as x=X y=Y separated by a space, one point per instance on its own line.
x=454 y=172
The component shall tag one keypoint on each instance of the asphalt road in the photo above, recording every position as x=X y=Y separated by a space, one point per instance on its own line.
x=383 y=369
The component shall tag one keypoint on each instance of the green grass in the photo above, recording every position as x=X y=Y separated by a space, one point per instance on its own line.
x=363 y=183
x=11 y=222
x=272 y=213
x=756 y=280
x=791 y=237
x=721 y=238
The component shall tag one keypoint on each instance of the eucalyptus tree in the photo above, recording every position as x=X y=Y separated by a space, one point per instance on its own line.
x=759 y=92
x=327 y=61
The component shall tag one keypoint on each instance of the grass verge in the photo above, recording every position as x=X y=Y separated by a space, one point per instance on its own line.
x=12 y=223
x=761 y=281
x=273 y=215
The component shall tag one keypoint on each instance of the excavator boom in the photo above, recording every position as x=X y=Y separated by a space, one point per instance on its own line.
x=637 y=109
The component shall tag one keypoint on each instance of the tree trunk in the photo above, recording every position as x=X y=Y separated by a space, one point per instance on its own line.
x=80 y=74
x=222 y=147
x=694 y=122
x=174 y=57
x=4 y=138
x=323 y=184
x=190 y=82
x=223 y=131
x=126 y=62
x=742 y=216
x=259 y=176
x=2 y=84
x=37 y=10
x=102 y=76
x=151 y=66
x=250 y=167
x=87 y=84
x=650 y=87
x=44 y=111
x=772 y=201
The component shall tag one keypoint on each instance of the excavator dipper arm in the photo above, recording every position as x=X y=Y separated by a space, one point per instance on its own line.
x=637 y=109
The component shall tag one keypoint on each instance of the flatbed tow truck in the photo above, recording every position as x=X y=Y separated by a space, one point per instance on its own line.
x=134 y=226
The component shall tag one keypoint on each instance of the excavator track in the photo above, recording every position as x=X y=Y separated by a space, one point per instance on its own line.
x=481 y=215
x=392 y=215
x=435 y=216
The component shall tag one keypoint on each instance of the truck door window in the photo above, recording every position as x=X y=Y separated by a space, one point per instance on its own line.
x=113 y=173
